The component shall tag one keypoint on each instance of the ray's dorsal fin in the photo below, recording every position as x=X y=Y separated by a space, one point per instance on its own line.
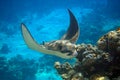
x=73 y=31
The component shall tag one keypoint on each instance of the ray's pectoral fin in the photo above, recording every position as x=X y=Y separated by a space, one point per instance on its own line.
x=73 y=31
x=31 y=43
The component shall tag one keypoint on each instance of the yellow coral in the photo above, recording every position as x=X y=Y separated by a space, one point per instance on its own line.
x=101 y=78
x=98 y=77
x=57 y=65
x=112 y=34
x=118 y=29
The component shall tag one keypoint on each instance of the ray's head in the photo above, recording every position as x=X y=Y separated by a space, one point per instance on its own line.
x=63 y=46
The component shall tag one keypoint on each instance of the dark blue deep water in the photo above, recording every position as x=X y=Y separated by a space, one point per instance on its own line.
x=48 y=20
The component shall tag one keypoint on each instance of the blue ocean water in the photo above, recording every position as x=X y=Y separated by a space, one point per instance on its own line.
x=48 y=20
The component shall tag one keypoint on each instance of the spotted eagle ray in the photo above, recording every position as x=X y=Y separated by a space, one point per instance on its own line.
x=64 y=48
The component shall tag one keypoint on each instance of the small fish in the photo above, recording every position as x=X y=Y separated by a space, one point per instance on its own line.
x=54 y=47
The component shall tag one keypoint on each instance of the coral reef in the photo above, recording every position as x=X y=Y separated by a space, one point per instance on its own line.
x=95 y=62
x=110 y=42
x=17 y=68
